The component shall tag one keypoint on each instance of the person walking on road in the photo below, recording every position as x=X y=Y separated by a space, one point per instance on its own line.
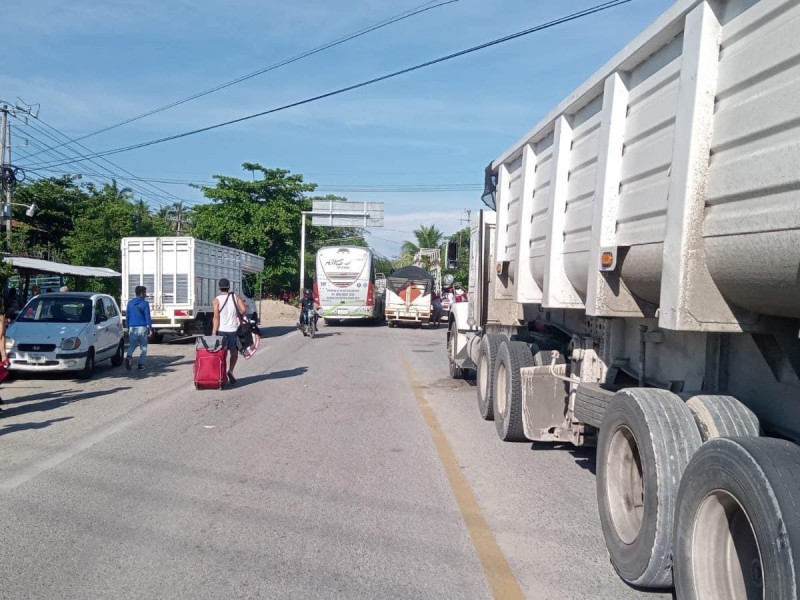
x=140 y=326
x=227 y=310
x=3 y=355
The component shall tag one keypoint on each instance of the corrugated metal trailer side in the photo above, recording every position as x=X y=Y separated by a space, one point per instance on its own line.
x=678 y=161
x=638 y=288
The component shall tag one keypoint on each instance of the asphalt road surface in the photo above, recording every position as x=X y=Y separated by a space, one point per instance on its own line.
x=348 y=466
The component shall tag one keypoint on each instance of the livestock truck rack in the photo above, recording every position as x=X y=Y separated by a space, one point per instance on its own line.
x=635 y=287
x=182 y=274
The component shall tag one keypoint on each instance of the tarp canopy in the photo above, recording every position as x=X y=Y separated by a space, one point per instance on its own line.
x=37 y=265
x=401 y=278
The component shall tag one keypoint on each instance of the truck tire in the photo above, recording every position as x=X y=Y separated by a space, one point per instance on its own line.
x=591 y=402
x=456 y=372
x=511 y=357
x=646 y=440
x=737 y=533
x=487 y=355
x=722 y=416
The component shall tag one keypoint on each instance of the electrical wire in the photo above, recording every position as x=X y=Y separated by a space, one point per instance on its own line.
x=129 y=180
x=571 y=17
x=361 y=32
x=110 y=176
x=132 y=177
x=321 y=188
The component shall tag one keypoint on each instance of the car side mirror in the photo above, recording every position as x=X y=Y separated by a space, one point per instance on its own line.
x=100 y=318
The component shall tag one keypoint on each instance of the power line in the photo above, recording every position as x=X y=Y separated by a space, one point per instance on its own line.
x=361 y=32
x=144 y=192
x=572 y=17
x=132 y=176
x=346 y=188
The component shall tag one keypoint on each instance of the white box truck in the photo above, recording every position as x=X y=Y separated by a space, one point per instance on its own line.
x=636 y=286
x=181 y=275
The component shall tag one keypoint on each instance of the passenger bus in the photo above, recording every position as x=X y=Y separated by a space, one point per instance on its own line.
x=344 y=284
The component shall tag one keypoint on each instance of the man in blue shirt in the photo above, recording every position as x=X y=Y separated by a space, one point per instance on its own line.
x=139 y=326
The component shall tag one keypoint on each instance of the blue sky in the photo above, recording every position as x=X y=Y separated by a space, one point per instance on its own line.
x=90 y=64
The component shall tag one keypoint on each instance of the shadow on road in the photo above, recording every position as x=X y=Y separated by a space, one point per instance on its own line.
x=325 y=335
x=24 y=426
x=296 y=372
x=584 y=456
x=277 y=331
x=29 y=404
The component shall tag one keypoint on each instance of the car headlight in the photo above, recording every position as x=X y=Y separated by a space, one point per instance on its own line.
x=72 y=343
x=9 y=343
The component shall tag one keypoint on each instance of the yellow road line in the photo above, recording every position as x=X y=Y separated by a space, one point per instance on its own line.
x=499 y=576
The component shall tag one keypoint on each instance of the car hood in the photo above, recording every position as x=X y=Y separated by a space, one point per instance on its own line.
x=44 y=332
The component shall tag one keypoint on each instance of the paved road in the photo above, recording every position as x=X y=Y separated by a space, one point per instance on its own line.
x=347 y=466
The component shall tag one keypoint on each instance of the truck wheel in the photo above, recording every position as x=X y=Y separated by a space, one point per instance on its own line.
x=487 y=354
x=737 y=533
x=456 y=372
x=722 y=416
x=508 y=390
x=646 y=440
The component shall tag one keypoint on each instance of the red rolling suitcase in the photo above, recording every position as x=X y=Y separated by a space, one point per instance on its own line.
x=211 y=358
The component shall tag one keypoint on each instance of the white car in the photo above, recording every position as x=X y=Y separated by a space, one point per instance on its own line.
x=69 y=331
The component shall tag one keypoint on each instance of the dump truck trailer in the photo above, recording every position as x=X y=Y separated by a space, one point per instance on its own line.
x=635 y=285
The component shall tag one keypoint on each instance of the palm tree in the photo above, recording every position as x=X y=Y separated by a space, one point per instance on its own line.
x=176 y=215
x=117 y=193
x=427 y=237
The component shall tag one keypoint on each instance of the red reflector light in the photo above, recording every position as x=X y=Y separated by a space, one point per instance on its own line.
x=181 y=313
x=371 y=294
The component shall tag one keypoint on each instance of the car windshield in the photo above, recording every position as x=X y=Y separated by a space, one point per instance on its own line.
x=57 y=310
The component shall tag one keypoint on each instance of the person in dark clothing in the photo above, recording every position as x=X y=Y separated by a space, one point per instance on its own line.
x=306 y=306
x=140 y=325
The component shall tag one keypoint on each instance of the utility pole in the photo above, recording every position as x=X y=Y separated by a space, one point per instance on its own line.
x=5 y=164
x=8 y=173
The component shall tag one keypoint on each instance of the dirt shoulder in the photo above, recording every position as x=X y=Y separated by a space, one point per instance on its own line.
x=275 y=312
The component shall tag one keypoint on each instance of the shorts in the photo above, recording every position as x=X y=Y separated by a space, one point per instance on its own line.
x=231 y=340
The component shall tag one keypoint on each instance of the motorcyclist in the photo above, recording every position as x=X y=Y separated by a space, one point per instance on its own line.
x=306 y=306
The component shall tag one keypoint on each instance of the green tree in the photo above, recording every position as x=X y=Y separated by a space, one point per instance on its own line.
x=261 y=216
x=43 y=234
x=102 y=219
x=178 y=218
x=426 y=237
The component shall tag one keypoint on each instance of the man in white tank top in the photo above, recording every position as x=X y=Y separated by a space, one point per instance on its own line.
x=226 y=321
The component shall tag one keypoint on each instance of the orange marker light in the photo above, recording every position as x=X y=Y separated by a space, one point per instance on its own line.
x=607 y=260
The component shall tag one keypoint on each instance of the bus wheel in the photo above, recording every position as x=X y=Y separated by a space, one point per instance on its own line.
x=737 y=533
x=646 y=440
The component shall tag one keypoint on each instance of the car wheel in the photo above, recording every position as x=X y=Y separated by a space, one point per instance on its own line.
x=88 y=368
x=117 y=359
